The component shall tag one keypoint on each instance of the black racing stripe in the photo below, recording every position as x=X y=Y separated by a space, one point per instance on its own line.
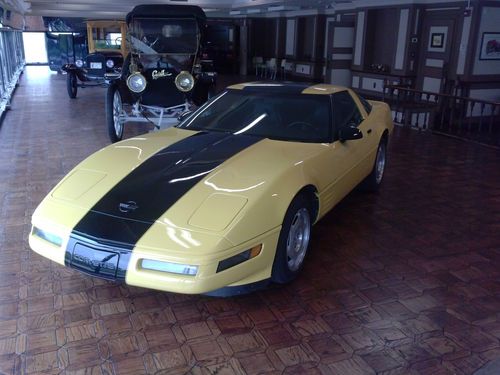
x=156 y=185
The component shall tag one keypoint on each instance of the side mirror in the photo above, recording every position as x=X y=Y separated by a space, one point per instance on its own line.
x=184 y=115
x=349 y=132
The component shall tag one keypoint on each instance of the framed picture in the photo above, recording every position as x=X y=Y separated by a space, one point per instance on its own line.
x=437 y=40
x=490 y=46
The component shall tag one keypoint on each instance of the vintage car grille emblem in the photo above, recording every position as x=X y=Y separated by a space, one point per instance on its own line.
x=128 y=206
x=158 y=74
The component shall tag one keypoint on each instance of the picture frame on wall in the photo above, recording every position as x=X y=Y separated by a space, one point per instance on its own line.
x=437 y=40
x=490 y=46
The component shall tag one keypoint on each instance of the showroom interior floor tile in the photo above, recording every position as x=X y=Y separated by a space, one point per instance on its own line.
x=406 y=281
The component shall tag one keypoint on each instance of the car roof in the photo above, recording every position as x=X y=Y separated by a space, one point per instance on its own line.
x=166 y=10
x=288 y=87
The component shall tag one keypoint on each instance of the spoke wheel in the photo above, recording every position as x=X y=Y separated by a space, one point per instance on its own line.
x=114 y=111
x=117 y=110
x=72 y=84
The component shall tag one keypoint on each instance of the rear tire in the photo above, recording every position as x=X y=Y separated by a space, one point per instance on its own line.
x=72 y=84
x=373 y=181
x=114 y=108
x=293 y=241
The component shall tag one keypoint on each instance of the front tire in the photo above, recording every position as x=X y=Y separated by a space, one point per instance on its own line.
x=72 y=84
x=374 y=179
x=293 y=241
x=114 y=109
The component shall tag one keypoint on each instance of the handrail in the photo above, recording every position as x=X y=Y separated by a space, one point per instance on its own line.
x=11 y=64
x=430 y=93
x=467 y=118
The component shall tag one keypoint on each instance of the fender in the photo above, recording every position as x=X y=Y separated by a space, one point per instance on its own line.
x=72 y=68
x=69 y=67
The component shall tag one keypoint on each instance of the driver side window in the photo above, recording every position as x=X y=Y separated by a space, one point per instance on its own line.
x=345 y=110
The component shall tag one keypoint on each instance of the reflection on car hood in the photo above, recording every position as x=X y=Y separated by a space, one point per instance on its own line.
x=127 y=187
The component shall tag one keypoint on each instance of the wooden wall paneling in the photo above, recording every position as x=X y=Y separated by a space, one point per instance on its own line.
x=359 y=40
x=339 y=49
x=447 y=22
x=291 y=35
x=413 y=39
x=403 y=41
x=319 y=47
x=281 y=38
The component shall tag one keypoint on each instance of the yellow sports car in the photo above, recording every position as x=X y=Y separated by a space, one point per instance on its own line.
x=225 y=201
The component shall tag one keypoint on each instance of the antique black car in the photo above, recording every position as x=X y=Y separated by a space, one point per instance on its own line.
x=107 y=48
x=163 y=75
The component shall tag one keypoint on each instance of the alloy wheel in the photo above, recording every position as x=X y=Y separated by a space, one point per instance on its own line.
x=298 y=239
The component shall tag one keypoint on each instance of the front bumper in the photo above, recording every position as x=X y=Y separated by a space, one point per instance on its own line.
x=122 y=263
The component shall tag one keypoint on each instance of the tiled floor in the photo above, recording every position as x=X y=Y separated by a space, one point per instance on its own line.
x=406 y=281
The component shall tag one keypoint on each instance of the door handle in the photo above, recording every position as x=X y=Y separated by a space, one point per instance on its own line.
x=369 y=131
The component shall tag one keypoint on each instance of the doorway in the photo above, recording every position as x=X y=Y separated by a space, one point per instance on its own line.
x=339 y=52
x=35 y=50
x=437 y=48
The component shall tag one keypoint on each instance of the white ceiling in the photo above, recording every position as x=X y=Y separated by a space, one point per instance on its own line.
x=119 y=8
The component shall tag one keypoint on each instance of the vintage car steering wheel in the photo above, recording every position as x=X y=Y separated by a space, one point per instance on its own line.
x=301 y=125
x=150 y=44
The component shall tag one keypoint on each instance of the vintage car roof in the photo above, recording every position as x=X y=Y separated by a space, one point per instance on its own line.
x=104 y=23
x=166 y=10
x=289 y=87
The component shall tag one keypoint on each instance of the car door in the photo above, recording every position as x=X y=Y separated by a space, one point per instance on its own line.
x=347 y=162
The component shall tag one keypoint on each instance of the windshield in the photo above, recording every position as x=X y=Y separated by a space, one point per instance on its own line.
x=289 y=117
x=160 y=35
x=107 y=39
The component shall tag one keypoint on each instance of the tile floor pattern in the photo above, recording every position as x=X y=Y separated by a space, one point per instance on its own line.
x=406 y=281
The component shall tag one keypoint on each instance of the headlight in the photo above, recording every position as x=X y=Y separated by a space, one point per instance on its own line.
x=49 y=237
x=110 y=63
x=79 y=63
x=136 y=82
x=184 y=81
x=181 y=269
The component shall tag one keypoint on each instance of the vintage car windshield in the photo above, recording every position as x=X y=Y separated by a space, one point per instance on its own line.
x=111 y=40
x=289 y=117
x=160 y=35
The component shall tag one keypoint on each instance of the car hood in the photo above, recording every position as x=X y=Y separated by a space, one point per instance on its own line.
x=194 y=180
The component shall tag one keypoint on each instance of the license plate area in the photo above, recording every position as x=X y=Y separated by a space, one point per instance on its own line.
x=99 y=263
x=95 y=65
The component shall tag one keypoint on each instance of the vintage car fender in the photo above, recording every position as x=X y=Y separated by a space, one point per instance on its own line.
x=72 y=68
x=69 y=67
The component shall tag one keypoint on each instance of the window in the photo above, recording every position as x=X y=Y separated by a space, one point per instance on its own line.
x=164 y=35
x=366 y=105
x=345 y=110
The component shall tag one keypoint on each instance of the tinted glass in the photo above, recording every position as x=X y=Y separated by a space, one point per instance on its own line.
x=345 y=110
x=366 y=105
x=299 y=117
x=159 y=35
